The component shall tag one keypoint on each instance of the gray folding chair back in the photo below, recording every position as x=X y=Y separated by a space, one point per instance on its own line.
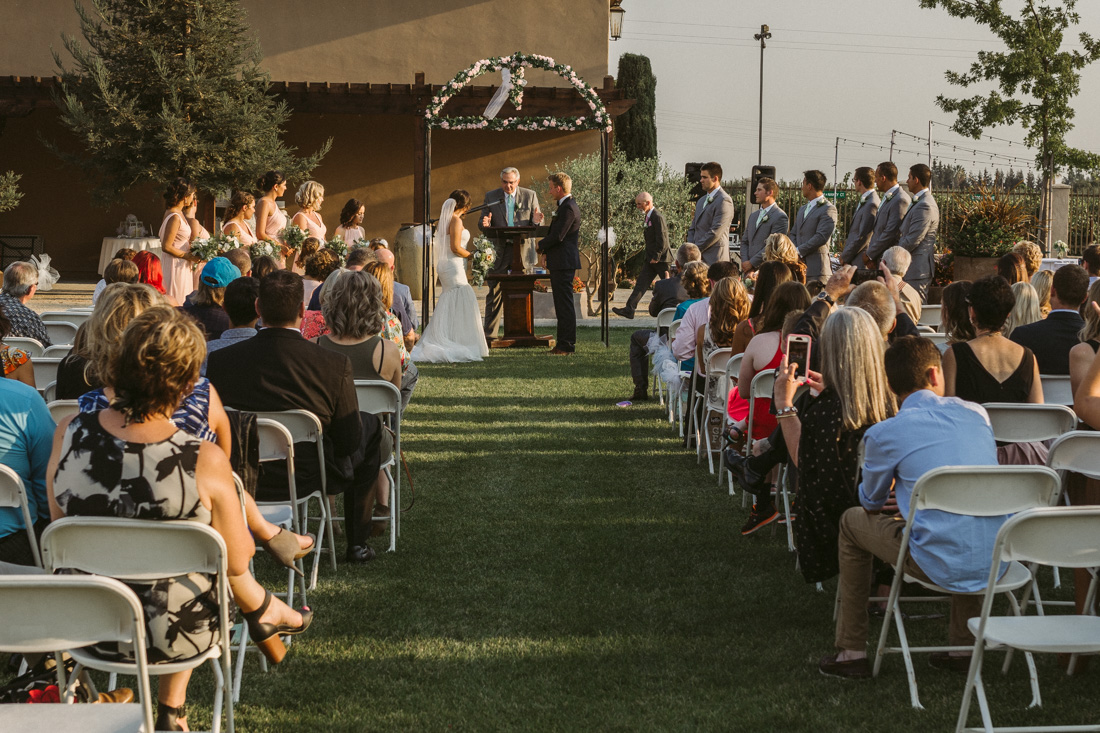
x=733 y=369
x=60 y=332
x=1026 y=423
x=61 y=409
x=58 y=350
x=45 y=370
x=143 y=550
x=383 y=399
x=13 y=495
x=930 y=316
x=33 y=347
x=939 y=339
x=665 y=318
x=1077 y=451
x=46 y=613
x=1056 y=389
x=75 y=317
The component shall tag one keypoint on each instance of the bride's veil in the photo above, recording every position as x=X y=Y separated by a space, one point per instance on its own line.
x=442 y=228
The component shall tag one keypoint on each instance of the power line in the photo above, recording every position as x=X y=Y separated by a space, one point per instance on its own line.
x=733 y=44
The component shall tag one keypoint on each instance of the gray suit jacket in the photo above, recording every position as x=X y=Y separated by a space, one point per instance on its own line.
x=888 y=224
x=860 y=230
x=752 y=244
x=710 y=229
x=527 y=203
x=918 y=235
x=811 y=235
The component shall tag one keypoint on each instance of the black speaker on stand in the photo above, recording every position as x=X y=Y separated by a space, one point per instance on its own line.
x=691 y=173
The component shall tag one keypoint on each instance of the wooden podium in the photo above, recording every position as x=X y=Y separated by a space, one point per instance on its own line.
x=515 y=290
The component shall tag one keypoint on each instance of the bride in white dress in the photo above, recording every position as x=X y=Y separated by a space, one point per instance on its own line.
x=454 y=332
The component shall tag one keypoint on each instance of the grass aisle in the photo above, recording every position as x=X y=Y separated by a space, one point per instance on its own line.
x=568 y=566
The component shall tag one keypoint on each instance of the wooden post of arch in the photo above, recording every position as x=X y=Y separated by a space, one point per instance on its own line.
x=427 y=281
x=605 y=253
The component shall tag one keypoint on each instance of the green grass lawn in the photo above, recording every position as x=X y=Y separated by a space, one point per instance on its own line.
x=568 y=566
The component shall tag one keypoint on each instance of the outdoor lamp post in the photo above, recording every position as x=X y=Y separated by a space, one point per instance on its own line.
x=617 y=14
x=762 y=36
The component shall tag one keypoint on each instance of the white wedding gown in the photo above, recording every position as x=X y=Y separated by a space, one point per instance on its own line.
x=454 y=332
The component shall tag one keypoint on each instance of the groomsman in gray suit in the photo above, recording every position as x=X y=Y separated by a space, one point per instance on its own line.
x=918 y=229
x=863 y=221
x=813 y=228
x=761 y=224
x=891 y=210
x=509 y=206
x=710 y=229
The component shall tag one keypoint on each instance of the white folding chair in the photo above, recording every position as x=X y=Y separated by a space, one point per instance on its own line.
x=33 y=347
x=58 y=350
x=49 y=392
x=716 y=365
x=277 y=444
x=13 y=493
x=1065 y=536
x=243 y=646
x=61 y=409
x=1056 y=389
x=60 y=332
x=925 y=330
x=75 y=317
x=143 y=550
x=383 y=399
x=664 y=320
x=45 y=370
x=930 y=316
x=1026 y=423
x=762 y=385
x=55 y=613
x=939 y=339
x=977 y=491
x=733 y=370
x=677 y=410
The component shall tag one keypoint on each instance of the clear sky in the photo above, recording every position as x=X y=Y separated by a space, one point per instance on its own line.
x=856 y=69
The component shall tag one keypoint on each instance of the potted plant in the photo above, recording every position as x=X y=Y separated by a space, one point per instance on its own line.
x=986 y=228
x=542 y=300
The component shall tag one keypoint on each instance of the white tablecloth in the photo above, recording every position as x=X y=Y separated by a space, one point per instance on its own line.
x=1053 y=263
x=114 y=244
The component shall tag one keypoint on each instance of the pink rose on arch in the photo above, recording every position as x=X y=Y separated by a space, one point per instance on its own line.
x=580 y=120
x=445 y=125
x=553 y=123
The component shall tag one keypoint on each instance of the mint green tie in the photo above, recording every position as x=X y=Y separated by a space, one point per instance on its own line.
x=760 y=216
x=511 y=210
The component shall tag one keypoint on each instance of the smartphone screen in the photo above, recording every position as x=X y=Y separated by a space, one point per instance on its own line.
x=863 y=275
x=798 y=352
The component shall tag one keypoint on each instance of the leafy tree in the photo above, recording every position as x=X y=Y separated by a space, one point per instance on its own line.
x=9 y=191
x=636 y=130
x=168 y=88
x=1035 y=80
x=626 y=178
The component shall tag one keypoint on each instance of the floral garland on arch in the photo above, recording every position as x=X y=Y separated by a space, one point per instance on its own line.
x=598 y=119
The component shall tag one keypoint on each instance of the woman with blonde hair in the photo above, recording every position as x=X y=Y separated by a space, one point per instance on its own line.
x=130 y=460
x=1042 y=281
x=729 y=305
x=1033 y=256
x=1081 y=355
x=309 y=198
x=779 y=248
x=1026 y=309
x=242 y=207
x=823 y=437
x=391 y=328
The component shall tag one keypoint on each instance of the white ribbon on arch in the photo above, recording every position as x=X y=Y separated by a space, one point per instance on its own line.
x=501 y=94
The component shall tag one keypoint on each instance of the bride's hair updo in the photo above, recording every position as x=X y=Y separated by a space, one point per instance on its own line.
x=462 y=199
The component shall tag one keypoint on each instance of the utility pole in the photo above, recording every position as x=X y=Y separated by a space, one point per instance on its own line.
x=929 y=144
x=893 y=133
x=762 y=36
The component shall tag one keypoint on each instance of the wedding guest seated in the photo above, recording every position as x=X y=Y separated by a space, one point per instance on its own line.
x=207 y=307
x=729 y=305
x=1033 y=257
x=241 y=259
x=951 y=550
x=20 y=285
x=403 y=306
x=240 y=306
x=355 y=312
x=1090 y=260
x=111 y=462
x=769 y=276
x=779 y=248
x=1026 y=309
x=296 y=261
x=955 y=314
x=377 y=244
x=1041 y=282
x=119 y=270
x=263 y=266
x=279 y=370
x=667 y=293
x=698 y=279
x=318 y=265
x=1012 y=268
x=1052 y=338
x=897 y=261
x=16 y=362
x=149 y=273
x=1081 y=355
x=360 y=256
x=26 y=433
x=823 y=436
x=392 y=327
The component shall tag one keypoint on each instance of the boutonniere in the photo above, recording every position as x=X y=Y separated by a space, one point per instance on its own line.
x=766 y=217
x=887 y=197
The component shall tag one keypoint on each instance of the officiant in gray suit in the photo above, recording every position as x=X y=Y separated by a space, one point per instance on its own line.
x=509 y=206
x=710 y=228
x=813 y=228
x=762 y=224
x=863 y=220
x=918 y=230
x=891 y=210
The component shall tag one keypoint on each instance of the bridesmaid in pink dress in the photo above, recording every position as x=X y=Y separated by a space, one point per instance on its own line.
x=310 y=196
x=270 y=219
x=351 y=222
x=175 y=240
x=241 y=208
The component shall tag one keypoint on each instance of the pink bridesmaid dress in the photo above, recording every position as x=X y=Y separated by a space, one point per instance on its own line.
x=243 y=233
x=178 y=278
x=276 y=222
x=315 y=226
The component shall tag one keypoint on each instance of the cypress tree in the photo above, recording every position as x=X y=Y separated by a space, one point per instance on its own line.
x=636 y=130
x=168 y=88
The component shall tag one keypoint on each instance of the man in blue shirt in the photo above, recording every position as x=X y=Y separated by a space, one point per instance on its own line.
x=951 y=550
x=26 y=437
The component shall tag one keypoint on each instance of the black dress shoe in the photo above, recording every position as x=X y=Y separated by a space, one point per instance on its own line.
x=947 y=662
x=361 y=554
x=639 y=397
x=853 y=669
x=624 y=312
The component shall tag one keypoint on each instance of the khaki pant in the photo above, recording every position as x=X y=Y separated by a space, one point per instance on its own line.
x=862 y=537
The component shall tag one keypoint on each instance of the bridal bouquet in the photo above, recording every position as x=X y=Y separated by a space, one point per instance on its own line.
x=360 y=243
x=293 y=236
x=264 y=248
x=211 y=247
x=483 y=257
x=339 y=246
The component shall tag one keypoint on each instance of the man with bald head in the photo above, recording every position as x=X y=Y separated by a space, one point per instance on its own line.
x=657 y=254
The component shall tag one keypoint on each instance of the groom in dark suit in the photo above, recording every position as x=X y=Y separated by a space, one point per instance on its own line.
x=563 y=259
